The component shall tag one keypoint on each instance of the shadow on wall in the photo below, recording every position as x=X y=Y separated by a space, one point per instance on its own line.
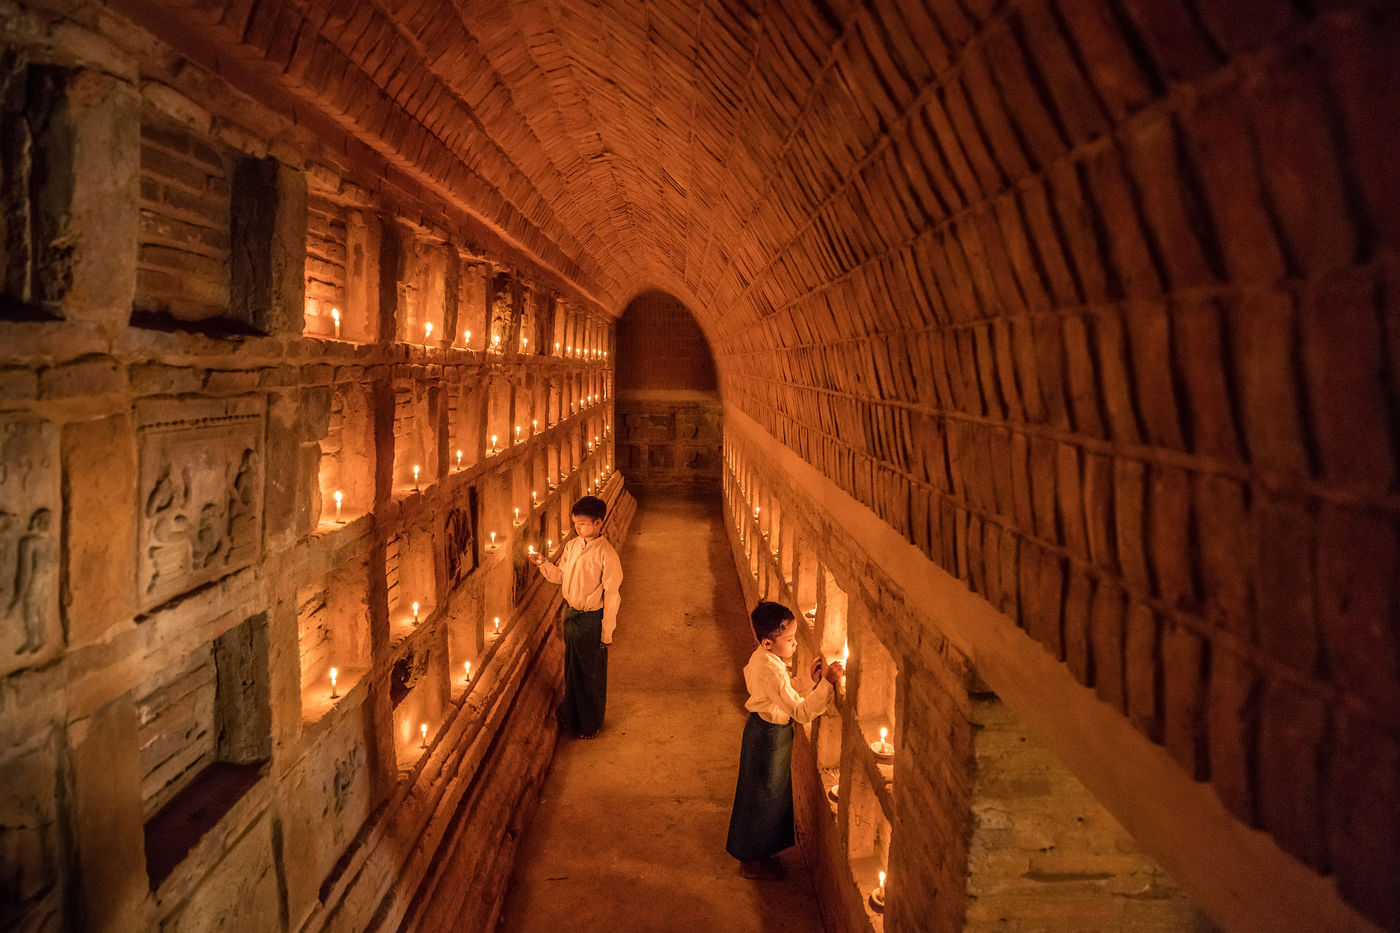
x=670 y=425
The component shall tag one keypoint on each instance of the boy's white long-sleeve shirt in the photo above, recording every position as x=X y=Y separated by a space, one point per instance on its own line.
x=771 y=694
x=589 y=573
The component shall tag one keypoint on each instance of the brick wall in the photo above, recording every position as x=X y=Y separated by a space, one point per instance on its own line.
x=660 y=346
x=183 y=265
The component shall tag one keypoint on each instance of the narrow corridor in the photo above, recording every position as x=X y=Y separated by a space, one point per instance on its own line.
x=630 y=831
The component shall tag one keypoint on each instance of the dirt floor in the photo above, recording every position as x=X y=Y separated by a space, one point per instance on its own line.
x=630 y=832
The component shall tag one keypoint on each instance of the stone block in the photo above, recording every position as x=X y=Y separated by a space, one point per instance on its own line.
x=30 y=515
x=1292 y=731
x=200 y=492
x=268 y=263
x=30 y=841
x=95 y=375
x=99 y=582
x=107 y=819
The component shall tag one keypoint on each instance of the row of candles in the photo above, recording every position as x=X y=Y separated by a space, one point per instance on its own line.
x=587 y=353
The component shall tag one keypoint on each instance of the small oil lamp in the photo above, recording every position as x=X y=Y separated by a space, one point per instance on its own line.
x=882 y=748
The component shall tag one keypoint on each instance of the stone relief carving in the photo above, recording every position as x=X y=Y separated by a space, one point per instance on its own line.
x=461 y=540
x=29 y=500
x=201 y=482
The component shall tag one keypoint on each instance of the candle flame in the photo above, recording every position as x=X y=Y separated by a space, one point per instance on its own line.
x=882 y=879
x=459 y=458
x=467 y=667
x=427 y=330
x=468 y=337
x=883 y=732
x=339 y=496
x=423 y=731
x=495 y=340
x=498 y=623
x=334 y=674
x=415 y=608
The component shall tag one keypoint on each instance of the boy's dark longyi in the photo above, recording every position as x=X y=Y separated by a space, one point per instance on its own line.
x=585 y=671
x=762 y=825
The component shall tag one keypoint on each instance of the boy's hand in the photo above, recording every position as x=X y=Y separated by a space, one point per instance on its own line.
x=537 y=559
x=816 y=669
x=835 y=671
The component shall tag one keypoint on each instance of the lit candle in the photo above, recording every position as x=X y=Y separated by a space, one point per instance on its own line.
x=498 y=625
x=550 y=544
x=423 y=731
x=569 y=350
x=415 y=476
x=517 y=433
x=877 y=897
x=531 y=549
x=459 y=459
x=534 y=497
x=415 y=612
x=427 y=331
x=335 y=320
x=467 y=338
x=883 y=732
x=334 y=674
x=493 y=443
x=556 y=346
x=495 y=340
x=517 y=515
x=467 y=669
x=524 y=342
x=535 y=424
x=338 y=497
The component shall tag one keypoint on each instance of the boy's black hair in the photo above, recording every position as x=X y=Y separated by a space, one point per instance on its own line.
x=769 y=619
x=590 y=507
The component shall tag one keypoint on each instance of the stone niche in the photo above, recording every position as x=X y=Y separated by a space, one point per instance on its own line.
x=342 y=272
x=409 y=577
x=204 y=739
x=29 y=530
x=333 y=632
x=344 y=452
x=201 y=488
x=415 y=435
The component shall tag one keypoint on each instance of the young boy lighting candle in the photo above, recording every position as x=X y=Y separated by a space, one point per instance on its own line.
x=590 y=574
x=761 y=824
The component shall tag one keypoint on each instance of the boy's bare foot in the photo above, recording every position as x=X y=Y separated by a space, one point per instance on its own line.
x=591 y=735
x=769 y=869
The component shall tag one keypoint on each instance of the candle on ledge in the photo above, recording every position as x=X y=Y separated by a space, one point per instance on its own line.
x=415 y=477
x=467 y=339
x=497 y=624
x=338 y=497
x=427 y=332
x=517 y=515
x=569 y=350
x=534 y=497
x=495 y=340
x=524 y=341
x=550 y=544
x=493 y=443
x=459 y=459
x=535 y=424
x=493 y=539
x=423 y=731
x=882 y=748
x=415 y=612
x=877 y=897
x=467 y=669
x=334 y=674
x=530 y=549
x=517 y=434
x=556 y=346
x=335 y=320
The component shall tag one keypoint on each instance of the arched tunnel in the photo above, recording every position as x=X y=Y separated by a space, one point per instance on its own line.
x=1040 y=355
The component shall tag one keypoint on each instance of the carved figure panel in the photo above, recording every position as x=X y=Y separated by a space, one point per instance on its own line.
x=461 y=540
x=200 y=511
x=29 y=515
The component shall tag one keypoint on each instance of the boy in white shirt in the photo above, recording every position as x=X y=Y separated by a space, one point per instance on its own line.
x=761 y=824
x=590 y=574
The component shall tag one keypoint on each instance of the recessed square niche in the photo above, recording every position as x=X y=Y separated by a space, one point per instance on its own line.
x=875 y=675
x=409 y=573
x=499 y=430
x=415 y=436
x=466 y=640
x=418 y=696
x=347 y=457
x=333 y=633
x=867 y=832
x=341 y=281
x=831 y=618
x=422 y=290
x=829 y=731
x=466 y=415
x=473 y=306
x=205 y=736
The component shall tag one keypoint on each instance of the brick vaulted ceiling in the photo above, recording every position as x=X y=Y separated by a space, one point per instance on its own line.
x=1082 y=296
